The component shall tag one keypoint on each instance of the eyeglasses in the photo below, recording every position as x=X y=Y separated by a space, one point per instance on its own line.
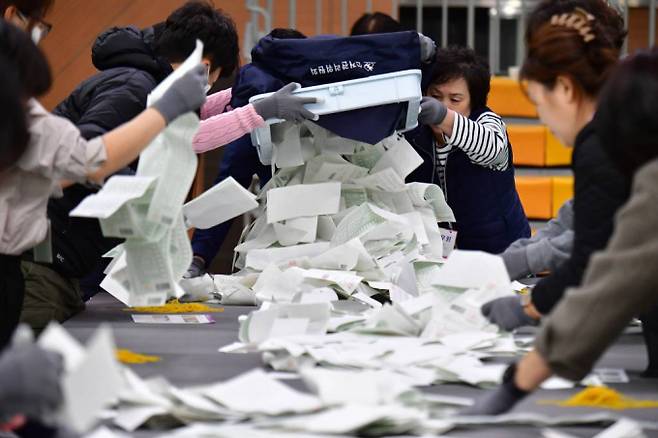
x=43 y=26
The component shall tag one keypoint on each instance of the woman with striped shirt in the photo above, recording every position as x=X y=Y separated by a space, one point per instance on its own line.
x=468 y=154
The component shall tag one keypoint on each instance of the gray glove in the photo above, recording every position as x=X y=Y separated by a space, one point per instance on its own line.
x=499 y=400
x=432 y=112
x=507 y=313
x=285 y=105
x=516 y=262
x=185 y=95
x=197 y=268
x=29 y=381
x=427 y=48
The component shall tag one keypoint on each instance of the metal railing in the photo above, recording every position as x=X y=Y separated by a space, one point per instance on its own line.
x=260 y=22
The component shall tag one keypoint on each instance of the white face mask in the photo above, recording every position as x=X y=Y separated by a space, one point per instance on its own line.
x=36 y=35
x=208 y=86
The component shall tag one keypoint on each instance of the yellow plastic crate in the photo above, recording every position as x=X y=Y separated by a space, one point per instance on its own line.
x=536 y=193
x=529 y=144
x=557 y=154
x=508 y=100
x=562 y=191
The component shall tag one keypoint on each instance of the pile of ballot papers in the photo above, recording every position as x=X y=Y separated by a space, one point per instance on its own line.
x=338 y=220
x=435 y=336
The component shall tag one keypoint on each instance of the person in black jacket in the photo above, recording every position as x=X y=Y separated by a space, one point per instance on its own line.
x=131 y=63
x=565 y=96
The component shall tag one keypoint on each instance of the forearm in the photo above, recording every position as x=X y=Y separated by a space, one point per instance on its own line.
x=126 y=142
x=216 y=104
x=531 y=371
x=225 y=128
x=617 y=286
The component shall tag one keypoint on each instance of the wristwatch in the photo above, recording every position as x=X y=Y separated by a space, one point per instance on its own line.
x=526 y=299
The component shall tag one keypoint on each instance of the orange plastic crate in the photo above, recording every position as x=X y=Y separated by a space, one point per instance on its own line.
x=536 y=195
x=562 y=191
x=557 y=154
x=528 y=144
x=508 y=100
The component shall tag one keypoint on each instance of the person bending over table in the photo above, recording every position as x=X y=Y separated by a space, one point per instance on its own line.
x=570 y=56
x=619 y=283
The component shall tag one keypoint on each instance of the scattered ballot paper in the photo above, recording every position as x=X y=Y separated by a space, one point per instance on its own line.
x=222 y=202
x=147 y=210
x=256 y=392
x=91 y=379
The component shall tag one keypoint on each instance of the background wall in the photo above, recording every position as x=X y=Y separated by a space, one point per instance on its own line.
x=78 y=22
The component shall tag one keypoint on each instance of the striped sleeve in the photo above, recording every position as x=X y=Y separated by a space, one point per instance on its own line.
x=484 y=141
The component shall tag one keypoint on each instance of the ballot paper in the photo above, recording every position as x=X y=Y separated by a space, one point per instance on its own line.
x=297 y=230
x=170 y=156
x=287 y=146
x=91 y=379
x=399 y=156
x=423 y=194
x=284 y=320
x=358 y=387
x=173 y=319
x=116 y=192
x=302 y=200
x=473 y=269
x=223 y=202
x=262 y=258
x=256 y=392
x=354 y=418
x=386 y=180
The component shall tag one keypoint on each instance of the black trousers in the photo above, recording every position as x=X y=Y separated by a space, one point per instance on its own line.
x=12 y=290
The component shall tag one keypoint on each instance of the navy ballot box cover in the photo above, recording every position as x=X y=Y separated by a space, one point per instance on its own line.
x=328 y=59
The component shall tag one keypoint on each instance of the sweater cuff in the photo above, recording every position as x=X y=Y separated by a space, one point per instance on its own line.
x=516 y=262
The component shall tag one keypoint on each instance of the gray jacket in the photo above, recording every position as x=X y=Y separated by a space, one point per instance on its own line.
x=619 y=283
x=544 y=251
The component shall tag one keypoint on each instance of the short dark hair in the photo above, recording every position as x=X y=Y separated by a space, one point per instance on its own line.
x=627 y=116
x=28 y=60
x=199 y=20
x=377 y=22
x=461 y=62
x=283 y=33
x=32 y=8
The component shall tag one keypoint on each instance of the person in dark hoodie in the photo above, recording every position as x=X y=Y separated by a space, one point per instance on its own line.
x=130 y=66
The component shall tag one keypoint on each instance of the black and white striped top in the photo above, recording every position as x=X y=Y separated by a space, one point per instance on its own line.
x=484 y=141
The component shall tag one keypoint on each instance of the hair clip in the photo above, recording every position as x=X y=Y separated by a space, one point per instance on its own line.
x=578 y=20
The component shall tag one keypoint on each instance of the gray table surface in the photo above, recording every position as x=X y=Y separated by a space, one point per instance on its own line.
x=190 y=357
